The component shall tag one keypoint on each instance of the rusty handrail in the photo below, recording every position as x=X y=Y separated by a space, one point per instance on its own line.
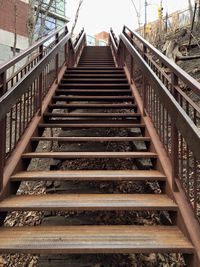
x=184 y=76
x=11 y=96
x=23 y=98
x=173 y=113
x=114 y=39
x=183 y=122
x=29 y=50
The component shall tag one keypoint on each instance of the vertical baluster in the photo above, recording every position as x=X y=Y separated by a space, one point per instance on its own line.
x=16 y=123
x=2 y=131
x=66 y=48
x=174 y=138
x=132 y=69
x=41 y=49
x=195 y=185
x=57 y=59
x=145 y=84
x=11 y=129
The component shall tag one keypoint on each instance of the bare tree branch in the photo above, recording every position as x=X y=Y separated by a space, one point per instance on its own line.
x=137 y=13
x=191 y=10
x=37 y=7
x=31 y=21
x=76 y=16
x=42 y=25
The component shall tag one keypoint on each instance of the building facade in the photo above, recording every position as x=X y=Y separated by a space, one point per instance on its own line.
x=99 y=39
x=13 y=24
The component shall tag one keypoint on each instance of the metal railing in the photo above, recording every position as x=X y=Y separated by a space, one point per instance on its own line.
x=22 y=94
x=176 y=117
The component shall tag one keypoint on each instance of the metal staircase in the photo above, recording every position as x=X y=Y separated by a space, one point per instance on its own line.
x=98 y=88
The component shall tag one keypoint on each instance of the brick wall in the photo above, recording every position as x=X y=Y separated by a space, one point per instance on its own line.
x=7 y=16
x=102 y=36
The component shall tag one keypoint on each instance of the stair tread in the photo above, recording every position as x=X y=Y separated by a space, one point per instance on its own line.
x=92 y=139
x=94 y=97
x=94 y=80
x=81 y=124
x=93 y=75
x=114 y=91
x=95 y=84
x=90 y=175
x=89 y=155
x=87 y=105
x=59 y=114
x=93 y=239
x=88 y=202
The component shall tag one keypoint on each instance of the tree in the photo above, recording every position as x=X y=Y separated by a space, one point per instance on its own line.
x=191 y=10
x=36 y=8
x=76 y=17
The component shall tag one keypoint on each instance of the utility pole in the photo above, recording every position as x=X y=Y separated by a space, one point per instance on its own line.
x=145 y=17
x=137 y=13
x=161 y=17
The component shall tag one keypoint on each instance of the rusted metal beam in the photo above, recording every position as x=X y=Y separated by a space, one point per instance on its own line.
x=2 y=131
x=182 y=121
x=184 y=76
x=187 y=222
x=28 y=51
x=14 y=163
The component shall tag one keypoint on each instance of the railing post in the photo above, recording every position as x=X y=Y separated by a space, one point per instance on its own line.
x=122 y=56
x=132 y=67
x=174 y=139
x=2 y=131
x=145 y=84
x=66 y=47
x=57 y=58
x=70 y=54
x=41 y=48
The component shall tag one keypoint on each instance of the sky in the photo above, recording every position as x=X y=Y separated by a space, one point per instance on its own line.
x=99 y=15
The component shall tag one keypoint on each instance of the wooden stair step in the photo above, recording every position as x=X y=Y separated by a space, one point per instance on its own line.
x=93 y=239
x=89 y=175
x=82 y=124
x=93 y=115
x=88 y=202
x=100 y=155
x=92 y=139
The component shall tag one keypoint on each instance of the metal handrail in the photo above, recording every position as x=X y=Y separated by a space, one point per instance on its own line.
x=184 y=76
x=182 y=121
x=11 y=96
x=29 y=50
x=170 y=111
